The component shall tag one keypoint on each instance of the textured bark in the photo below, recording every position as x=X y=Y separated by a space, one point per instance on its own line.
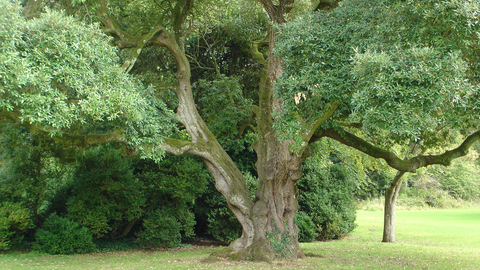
x=391 y=195
x=228 y=179
x=278 y=170
x=271 y=216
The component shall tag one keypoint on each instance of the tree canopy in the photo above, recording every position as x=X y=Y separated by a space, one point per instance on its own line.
x=400 y=71
x=60 y=76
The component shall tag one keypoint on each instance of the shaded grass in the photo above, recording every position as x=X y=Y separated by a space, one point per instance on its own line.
x=434 y=239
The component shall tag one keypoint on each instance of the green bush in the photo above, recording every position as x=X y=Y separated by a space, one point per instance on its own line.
x=161 y=228
x=461 y=181
x=14 y=220
x=220 y=221
x=60 y=235
x=326 y=195
x=306 y=228
x=105 y=196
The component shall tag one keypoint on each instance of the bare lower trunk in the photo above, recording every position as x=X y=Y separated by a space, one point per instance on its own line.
x=276 y=203
x=391 y=195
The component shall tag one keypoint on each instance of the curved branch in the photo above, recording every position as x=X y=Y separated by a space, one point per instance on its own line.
x=179 y=147
x=408 y=165
x=247 y=125
x=122 y=38
x=81 y=140
x=312 y=126
x=67 y=139
x=256 y=54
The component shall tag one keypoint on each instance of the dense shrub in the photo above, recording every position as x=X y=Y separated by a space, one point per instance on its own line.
x=105 y=197
x=14 y=220
x=216 y=218
x=60 y=235
x=461 y=181
x=161 y=228
x=172 y=188
x=326 y=195
x=306 y=228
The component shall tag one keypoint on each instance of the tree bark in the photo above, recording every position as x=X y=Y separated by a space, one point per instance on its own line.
x=278 y=170
x=391 y=195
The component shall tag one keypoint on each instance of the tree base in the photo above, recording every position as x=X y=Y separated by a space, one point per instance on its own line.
x=260 y=251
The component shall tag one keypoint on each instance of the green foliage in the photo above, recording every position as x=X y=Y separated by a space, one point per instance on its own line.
x=105 y=197
x=112 y=195
x=461 y=181
x=172 y=188
x=224 y=109
x=216 y=217
x=14 y=220
x=60 y=235
x=280 y=243
x=161 y=228
x=446 y=187
x=306 y=228
x=61 y=74
x=393 y=67
x=32 y=173
x=377 y=181
x=326 y=195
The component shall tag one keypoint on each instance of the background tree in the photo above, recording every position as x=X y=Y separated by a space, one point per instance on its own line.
x=403 y=76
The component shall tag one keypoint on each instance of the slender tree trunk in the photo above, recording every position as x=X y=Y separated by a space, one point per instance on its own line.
x=391 y=195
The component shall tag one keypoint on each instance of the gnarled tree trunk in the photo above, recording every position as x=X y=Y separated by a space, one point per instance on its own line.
x=276 y=201
x=268 y=222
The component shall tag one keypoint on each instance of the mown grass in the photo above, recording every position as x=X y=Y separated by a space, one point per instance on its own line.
x=433 y=239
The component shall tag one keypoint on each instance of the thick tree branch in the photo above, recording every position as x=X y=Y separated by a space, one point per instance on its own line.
x=67 y=139
x=82 y=140
x=180 y=147
x=350 y=125
x=276 y=12
x=408 y=165
x=180 y=14
x=123 y=39
x=256 y=54
x=312 y=126
x=247 y=125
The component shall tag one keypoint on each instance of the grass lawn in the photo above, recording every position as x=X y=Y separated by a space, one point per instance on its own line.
x=434 y=239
